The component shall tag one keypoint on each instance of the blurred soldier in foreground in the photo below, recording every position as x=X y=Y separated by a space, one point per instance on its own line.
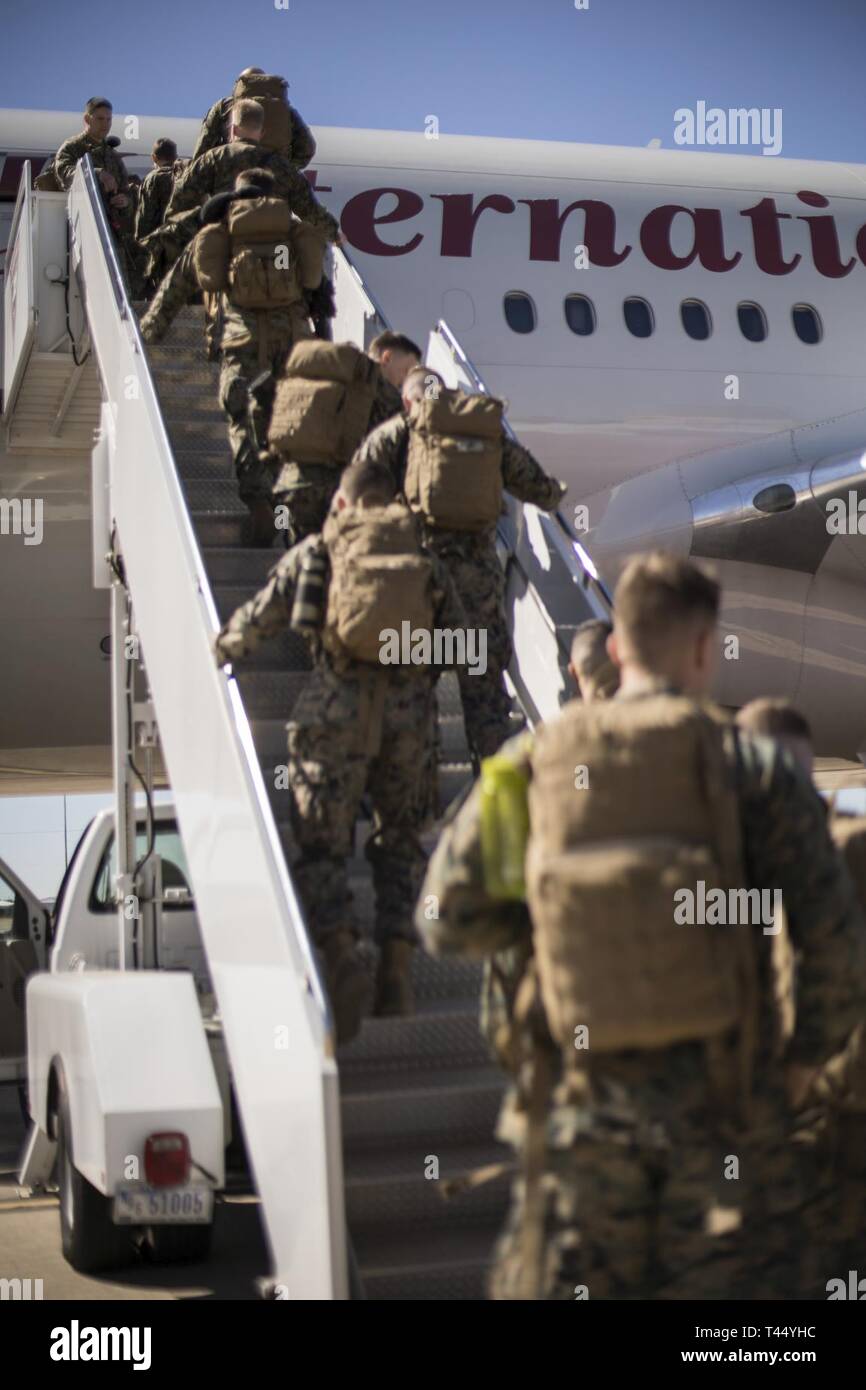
x=113 y=179
x=649 y=822
x=256 y=260
x=360 y=724
x=329 y=397
x=834 y=1118
x=452 y=458
x=286 y=133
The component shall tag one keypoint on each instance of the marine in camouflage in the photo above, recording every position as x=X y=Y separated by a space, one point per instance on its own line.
x=215 y=132
x=356 y=729
x=478 y=575
x=637 y=1204
x=251 y=341
x=216 y=171
x=121 y=220
x=153 y=199
x=304 y=490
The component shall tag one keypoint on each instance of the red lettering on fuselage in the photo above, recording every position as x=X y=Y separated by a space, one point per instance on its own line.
x=461 y=214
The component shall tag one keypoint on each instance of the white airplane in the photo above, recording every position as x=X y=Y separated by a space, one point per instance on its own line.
x=678 y=336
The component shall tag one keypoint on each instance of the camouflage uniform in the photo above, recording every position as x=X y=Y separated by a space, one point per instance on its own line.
x=478 y=576
x=305 y=490
x=216 y=171
x=355 y=728
x=215 y=132
x=153 y=199
x=121 y=220
x=637 y=1203
x=252 y=341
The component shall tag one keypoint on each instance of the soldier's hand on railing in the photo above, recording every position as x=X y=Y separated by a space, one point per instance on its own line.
x=228 y=646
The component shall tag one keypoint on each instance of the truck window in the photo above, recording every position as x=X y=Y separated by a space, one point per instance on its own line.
x=14 y=914
x=175 y=874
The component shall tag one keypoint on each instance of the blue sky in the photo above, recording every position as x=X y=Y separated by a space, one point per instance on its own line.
x=613 y=73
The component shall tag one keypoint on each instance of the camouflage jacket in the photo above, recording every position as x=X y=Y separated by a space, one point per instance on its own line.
x=215 y=132
x=215 y=172
x=153 y=199
x=522 y=475
x=269 y=612
x=786 y=846
x=386 y=403
x=102 y=155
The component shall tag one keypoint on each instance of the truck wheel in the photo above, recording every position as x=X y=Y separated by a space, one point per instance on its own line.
x=89 y=1237
x=180 y=1244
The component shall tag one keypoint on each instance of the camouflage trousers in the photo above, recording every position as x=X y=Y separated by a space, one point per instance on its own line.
x=305 y=492
x=362 y=733
x=649 y=1195
x=248 y=418
x=479 y=580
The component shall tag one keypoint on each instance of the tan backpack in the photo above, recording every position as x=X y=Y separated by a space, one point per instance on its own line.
x=263 y=271
x=454 y=467
x=323 y=402
x=270 y=93
x=631 y=802
x=380 y=578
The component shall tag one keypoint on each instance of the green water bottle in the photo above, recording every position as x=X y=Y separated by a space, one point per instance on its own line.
x=504 y=827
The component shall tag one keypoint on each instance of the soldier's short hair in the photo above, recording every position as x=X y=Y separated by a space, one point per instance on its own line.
x=418 y=380
x=659 y=599
x=774 y=719
x=165 y=151
x=259 y=178
x=95 y=104
x=248 y=114
x=395 y=342
x=250 y=72
x=369 y=482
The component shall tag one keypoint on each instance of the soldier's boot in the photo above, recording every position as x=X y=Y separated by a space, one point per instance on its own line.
x=260 y=526
x=395 y=997
x=347 y=984
x=153 y=327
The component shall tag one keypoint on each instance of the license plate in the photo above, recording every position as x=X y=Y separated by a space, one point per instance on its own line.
x=154 y=1206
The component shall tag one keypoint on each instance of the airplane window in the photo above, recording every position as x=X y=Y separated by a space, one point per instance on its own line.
x=696 y=318
x=638 y=317
x=579 y=314
x=752 y=321
x=807 y=324
x=519 y=312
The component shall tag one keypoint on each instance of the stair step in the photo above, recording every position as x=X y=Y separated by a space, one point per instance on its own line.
x=439 y=1032
x=446 y=1266
x=388 y=1189
x=461 y=1102
x=243 y=566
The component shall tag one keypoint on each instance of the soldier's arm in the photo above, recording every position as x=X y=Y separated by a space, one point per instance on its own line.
x=65 y=161
x=211 y=133
x=788 y=847
x=387 y=444
x=264 y=615
x=303 y=142
x=386 y=403
x=525 y=479
x=117 y=167
x=304 y=204
x=455 y=913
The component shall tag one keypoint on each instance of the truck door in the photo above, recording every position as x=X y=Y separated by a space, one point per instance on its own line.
x=23 y=939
